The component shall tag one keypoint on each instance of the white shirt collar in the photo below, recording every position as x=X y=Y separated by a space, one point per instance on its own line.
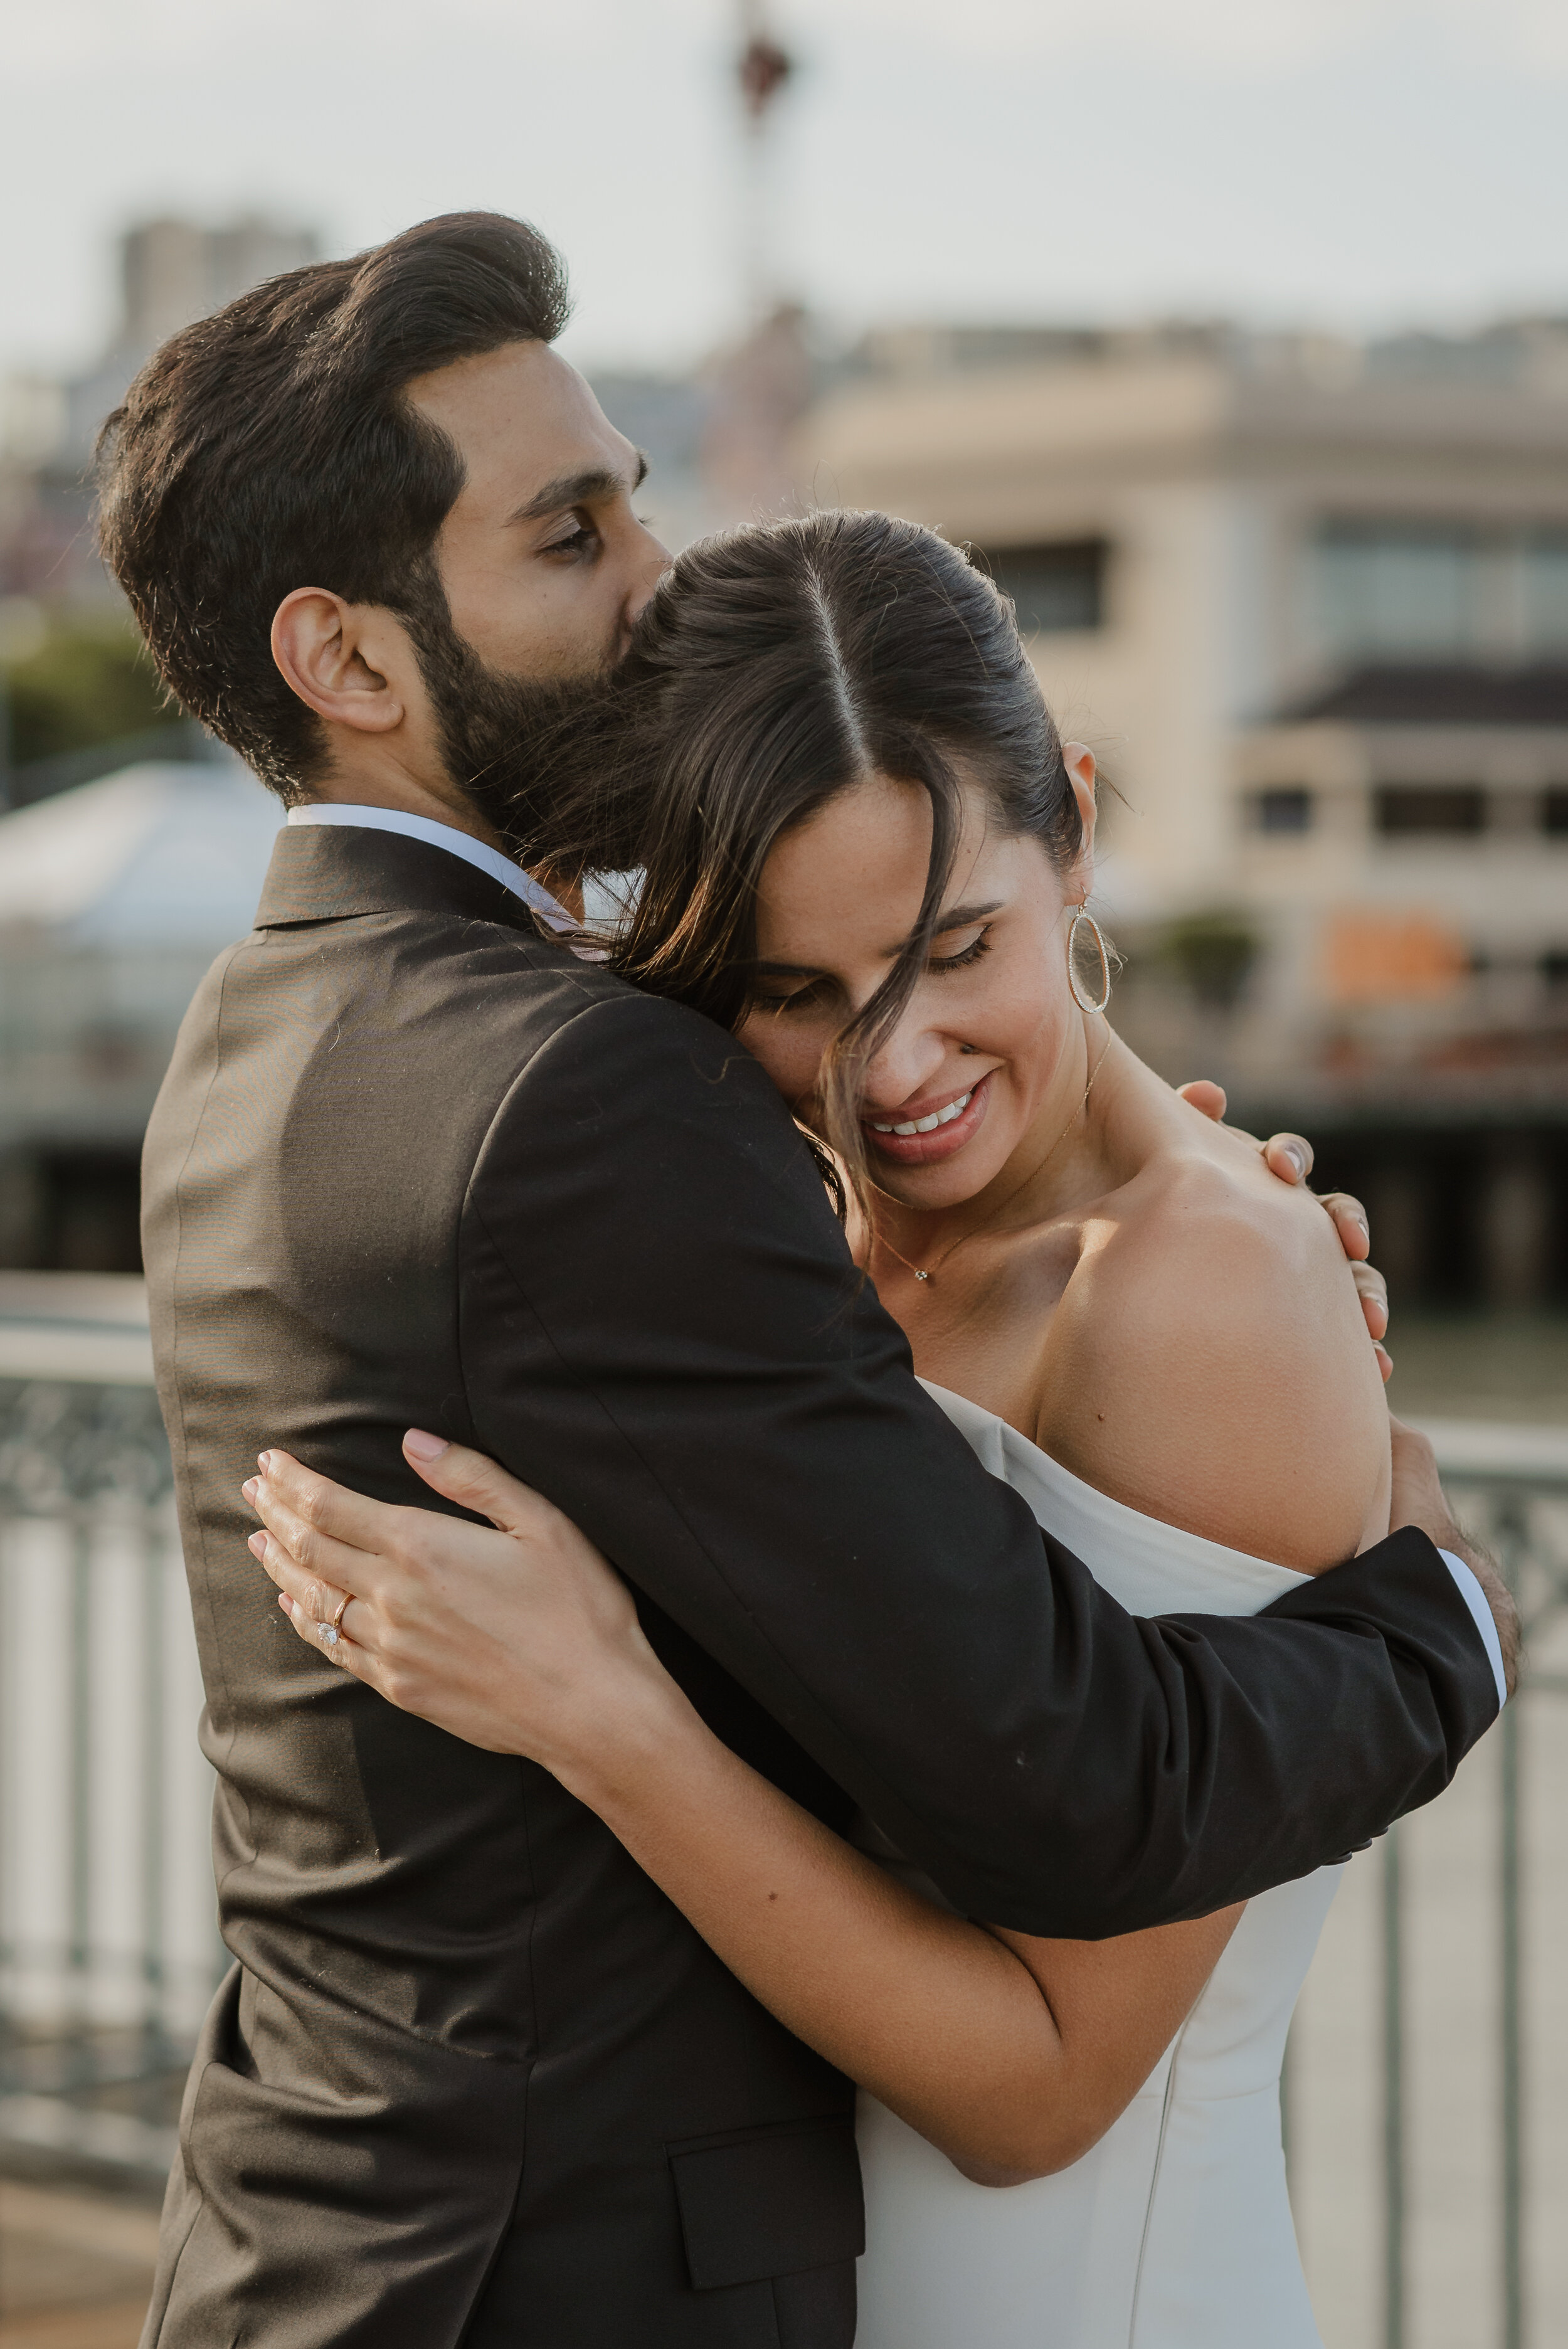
x=534 y=896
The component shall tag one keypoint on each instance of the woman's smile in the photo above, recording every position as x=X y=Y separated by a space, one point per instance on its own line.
x=928 y=1131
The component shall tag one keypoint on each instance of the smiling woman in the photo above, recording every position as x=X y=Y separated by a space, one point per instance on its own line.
x=863 y=843
x=774 y=671
x=864 y=848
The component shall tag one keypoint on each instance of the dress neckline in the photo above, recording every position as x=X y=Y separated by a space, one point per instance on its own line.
x=1115 y=1540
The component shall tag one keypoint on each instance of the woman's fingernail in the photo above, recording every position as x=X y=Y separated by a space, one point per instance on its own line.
x=286 y=1603
x=263 y=1461
x=251 y=1487
x=257 y=1545
x=423 y=1446
x=1297 y=1157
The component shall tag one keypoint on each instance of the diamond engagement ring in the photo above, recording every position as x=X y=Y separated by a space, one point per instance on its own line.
x=328 y=1634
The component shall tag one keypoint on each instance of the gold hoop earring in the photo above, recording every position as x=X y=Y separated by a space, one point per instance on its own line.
x=1082 y=917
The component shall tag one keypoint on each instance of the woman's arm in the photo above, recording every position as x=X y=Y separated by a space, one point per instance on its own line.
x=1012 y=2054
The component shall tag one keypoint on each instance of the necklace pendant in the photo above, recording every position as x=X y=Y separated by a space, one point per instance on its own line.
x=921 y=1275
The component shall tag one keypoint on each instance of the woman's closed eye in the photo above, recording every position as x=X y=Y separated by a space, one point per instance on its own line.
x=813 y=993
x=962 y=957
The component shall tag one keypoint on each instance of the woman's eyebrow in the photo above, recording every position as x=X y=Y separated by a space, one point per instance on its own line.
x=957 y=918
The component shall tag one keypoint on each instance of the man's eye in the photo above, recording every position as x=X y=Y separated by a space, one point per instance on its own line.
x=576 y=540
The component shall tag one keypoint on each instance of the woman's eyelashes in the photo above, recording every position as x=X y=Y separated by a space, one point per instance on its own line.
x=980 y=944
x=813 y=994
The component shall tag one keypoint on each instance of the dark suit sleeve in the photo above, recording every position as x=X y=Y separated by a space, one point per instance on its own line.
x=662 y=1330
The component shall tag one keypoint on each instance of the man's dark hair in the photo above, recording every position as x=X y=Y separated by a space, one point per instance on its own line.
x=271 y=446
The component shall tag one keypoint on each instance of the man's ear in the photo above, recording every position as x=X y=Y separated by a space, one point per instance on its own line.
x=342 y=660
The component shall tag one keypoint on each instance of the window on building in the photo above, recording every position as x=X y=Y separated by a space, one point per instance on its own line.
x=1284 y=807
x=1555 y=811
x=1429 y=811
x=1545 y=597
x=1400 y=591
x=1056 y=585
x=1394 y=592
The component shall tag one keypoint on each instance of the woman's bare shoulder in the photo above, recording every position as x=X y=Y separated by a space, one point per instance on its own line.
x=1209 y=1363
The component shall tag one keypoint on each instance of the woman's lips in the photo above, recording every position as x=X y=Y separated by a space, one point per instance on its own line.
x=943 y=1139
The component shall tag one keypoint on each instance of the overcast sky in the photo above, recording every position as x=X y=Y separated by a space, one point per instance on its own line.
x=1339 y=161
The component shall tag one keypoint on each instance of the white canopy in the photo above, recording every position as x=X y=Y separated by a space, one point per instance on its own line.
x=157 y=855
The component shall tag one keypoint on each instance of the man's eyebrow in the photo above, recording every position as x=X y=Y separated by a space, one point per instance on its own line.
x=580 y=490
x=957 y=918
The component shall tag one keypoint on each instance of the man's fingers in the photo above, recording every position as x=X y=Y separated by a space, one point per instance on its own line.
x=1373 y=1290
x=327 y=1508
x=1350 y=1222
x=1205 y=1096
x=473 y=1480
x=1288 y=1155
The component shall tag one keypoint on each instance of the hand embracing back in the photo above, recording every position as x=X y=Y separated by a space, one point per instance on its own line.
x=516 y=1636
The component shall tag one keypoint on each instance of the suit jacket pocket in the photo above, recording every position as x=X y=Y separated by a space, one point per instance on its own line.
x=769 y=2201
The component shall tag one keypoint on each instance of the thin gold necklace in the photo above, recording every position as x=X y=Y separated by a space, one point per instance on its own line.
x=1029 y=1178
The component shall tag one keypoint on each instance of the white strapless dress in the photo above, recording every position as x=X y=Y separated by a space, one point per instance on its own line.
x=1175 y=2231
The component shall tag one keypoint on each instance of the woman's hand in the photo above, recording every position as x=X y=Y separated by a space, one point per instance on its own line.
x=1289 y=1155
x=522 y=1640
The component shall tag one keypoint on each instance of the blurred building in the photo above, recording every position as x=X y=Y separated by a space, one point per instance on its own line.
x=1309 y=603
x=171 y=272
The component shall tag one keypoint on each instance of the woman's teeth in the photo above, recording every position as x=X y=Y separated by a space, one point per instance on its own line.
x=926 y=1124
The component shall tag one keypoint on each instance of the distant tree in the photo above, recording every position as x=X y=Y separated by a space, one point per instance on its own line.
x=89 y=680
x=1212 y=953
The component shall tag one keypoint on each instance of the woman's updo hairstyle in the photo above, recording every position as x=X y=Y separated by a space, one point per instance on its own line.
x=774 y=667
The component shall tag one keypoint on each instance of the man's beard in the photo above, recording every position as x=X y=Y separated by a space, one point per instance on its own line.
x=502 y=737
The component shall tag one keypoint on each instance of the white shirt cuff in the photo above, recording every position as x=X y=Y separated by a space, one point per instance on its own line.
x=1474 y=1598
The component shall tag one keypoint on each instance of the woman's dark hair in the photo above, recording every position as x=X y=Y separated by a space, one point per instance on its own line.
x=270 y=447
x=775 y=668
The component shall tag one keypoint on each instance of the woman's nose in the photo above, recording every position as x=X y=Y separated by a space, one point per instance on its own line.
x=908 y=1065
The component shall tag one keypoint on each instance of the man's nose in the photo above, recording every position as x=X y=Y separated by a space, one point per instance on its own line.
x=653 y=560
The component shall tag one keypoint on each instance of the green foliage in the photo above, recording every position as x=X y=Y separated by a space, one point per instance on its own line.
x=89 y=680
x=1212 y=953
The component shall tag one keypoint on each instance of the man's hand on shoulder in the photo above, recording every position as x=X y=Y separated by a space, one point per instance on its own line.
x=1289 y=1155
x=1418 y=1500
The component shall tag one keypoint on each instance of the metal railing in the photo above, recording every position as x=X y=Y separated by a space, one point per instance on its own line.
x=108 y=1950
x=1512 y=1487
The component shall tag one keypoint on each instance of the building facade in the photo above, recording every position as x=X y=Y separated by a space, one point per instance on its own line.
x=1309 y=604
